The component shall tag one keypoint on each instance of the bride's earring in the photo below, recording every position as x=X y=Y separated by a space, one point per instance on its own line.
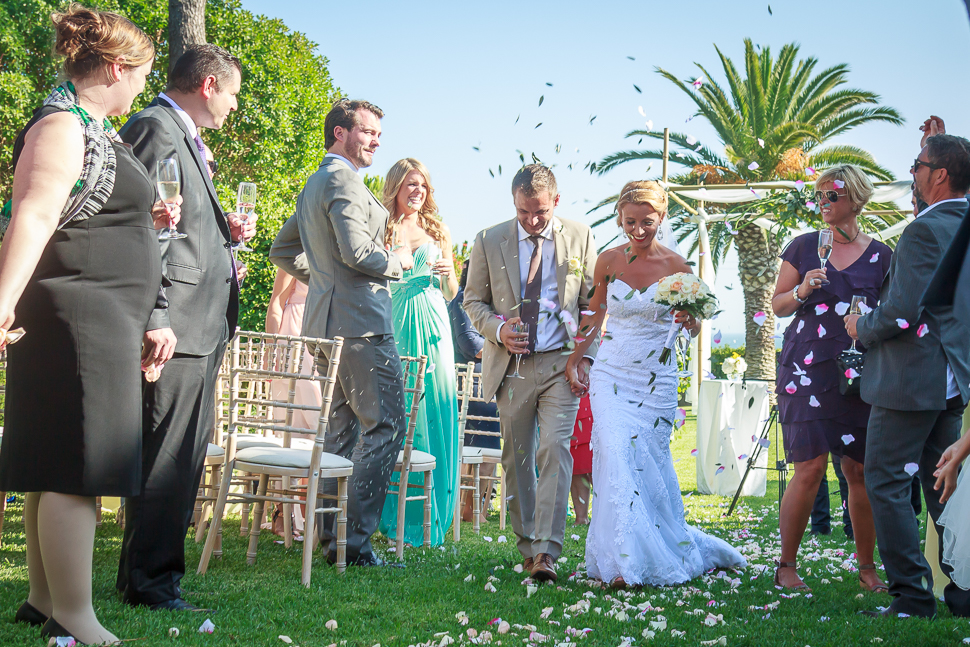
x=660 y=234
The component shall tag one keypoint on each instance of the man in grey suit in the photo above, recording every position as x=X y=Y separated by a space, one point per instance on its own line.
x=917 y=379
x=178 y=409
x=335 y=243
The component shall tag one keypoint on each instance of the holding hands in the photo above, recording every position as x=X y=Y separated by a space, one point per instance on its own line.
x=577 y=374
x=948 y=468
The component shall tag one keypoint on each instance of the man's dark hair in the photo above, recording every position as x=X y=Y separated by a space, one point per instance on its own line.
x=344 y=114
x=533 y=179
x=953 y=154
x=199 y=63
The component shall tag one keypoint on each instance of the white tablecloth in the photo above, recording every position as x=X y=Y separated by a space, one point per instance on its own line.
x=728 y=415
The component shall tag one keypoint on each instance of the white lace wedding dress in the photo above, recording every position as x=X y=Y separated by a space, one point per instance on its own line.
x=638 y=529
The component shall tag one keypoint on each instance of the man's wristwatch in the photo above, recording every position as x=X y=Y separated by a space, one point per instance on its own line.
x=794 y=295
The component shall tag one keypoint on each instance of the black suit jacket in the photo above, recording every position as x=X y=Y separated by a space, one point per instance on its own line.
x=204 y=296
x=951 y=282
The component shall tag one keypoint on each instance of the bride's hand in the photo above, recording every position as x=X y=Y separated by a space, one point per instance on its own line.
x=577 y=374
x=686 y=320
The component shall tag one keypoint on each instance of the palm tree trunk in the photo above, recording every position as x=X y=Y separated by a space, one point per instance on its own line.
x=758 y=267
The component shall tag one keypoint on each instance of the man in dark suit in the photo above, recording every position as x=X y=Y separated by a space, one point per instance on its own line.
x=917 y=379
x=178 y=409
x=335 y=243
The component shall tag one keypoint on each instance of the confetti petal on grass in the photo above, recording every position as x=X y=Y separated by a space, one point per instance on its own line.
x=286 y=639
x=62 y=641
x=922 y=330
x=503 y=627
x=207 y=627
x=821 y=331
x=841 y=308
x=502 y=539
x=490 y=588
x=821 y=309
x=487 y=539
x=760 y=317
x=790 y=388
x=753 y=166
x=574 y=537
x=530 y=589
x=331 y=625
x=518 y=568
x=174 y=632
x=761 y=142
x=546 y=612
x=902 y=323
x=911 y=468
x=848 y=439
x=809 y=358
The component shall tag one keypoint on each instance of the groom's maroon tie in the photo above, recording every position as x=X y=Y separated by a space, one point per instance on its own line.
x=533 y=289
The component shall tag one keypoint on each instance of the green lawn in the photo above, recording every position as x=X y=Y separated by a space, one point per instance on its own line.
x=415 y=605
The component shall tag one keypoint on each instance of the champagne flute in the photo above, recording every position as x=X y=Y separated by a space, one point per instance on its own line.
x=824 y=249
x=245 y=207
x=856 y=309
x=520 y=328
x=434 y=254
x=169 y=187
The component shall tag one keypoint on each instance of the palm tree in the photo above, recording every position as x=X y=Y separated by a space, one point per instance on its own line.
x=773 y=125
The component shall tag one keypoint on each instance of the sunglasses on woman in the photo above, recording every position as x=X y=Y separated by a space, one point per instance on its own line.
x=831 y=196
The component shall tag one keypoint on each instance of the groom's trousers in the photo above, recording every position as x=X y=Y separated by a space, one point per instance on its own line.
x=537 y=416
x=894 y=440
x=367 y=426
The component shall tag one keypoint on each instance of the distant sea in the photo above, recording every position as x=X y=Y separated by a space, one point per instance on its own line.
x=735 y=340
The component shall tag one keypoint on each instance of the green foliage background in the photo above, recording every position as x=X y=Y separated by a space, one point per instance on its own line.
x=275 y=138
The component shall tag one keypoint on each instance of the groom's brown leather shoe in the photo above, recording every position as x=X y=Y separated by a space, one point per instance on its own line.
x=544 y=568
x=527 y=564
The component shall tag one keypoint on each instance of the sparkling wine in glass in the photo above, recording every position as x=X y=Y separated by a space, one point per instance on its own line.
x=434 y=254
x=855 y=309
x=824 y=248
x=169 y=186
x=245 y=208
x=520 y=328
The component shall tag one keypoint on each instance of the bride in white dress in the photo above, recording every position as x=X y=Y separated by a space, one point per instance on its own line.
x=638 y=535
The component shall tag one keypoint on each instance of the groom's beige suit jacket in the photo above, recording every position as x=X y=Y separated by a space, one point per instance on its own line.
x=493 y=291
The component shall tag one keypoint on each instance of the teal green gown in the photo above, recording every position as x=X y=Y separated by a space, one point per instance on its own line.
x=422 y=327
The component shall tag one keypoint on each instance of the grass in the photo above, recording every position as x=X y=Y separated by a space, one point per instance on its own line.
x=408 y=606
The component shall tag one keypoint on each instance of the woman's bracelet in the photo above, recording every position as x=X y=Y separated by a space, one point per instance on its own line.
x=794 y=295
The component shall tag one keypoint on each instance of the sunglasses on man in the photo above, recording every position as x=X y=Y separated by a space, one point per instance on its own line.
x=213 y=166
x=918 y=163
x=831 y=196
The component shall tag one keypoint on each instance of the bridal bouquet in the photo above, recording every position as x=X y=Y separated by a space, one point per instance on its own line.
x=686 y=292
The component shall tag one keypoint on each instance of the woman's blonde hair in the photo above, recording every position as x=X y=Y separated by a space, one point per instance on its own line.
x=858 y=186
x=89 y=39
x=642 y=192
x=428 y=218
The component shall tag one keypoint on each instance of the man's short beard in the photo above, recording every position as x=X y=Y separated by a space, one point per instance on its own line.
x=359 y=160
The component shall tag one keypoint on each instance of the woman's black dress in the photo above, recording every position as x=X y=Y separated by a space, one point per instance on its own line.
x=73 y=404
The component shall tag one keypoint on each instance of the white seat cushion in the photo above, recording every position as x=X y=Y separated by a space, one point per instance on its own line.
x=418 y=459
x=471 y=455
x=487 y=452
x=244 y=441
x=214 y=450
x=291 y=458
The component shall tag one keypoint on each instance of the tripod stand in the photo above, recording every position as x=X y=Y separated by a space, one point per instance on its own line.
x=761 y=444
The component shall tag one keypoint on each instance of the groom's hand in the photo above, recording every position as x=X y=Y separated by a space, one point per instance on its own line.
x=577 y=374
x=516 y=343
x=850 y=325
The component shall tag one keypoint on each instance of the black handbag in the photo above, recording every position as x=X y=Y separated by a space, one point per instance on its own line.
x=850 y=362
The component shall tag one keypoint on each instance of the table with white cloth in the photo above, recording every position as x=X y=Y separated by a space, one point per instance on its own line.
x=729 y=413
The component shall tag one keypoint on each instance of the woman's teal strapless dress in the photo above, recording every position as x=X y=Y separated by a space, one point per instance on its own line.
x=422 y=327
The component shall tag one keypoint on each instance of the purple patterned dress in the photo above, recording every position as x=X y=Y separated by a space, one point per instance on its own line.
x=814 y=416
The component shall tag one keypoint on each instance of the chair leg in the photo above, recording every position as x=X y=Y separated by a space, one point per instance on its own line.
x=428 y=492
x=402 y=502
x=97 y=511
x=202 y=508
x=216 y=526
x=477 y=499
x=217 y=478
x=308 y=527
x=456 y=519
x=258 y=509
x=502 y=503
x=3 y=510
x=341 y=522
x=244 y=513
x=287 y=517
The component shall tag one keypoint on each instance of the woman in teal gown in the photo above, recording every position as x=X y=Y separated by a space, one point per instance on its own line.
x=422 y=327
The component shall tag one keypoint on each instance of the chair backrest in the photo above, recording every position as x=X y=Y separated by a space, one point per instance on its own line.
x=257 y=358
x=475 y=389
x=463 y=374
x=414 y=369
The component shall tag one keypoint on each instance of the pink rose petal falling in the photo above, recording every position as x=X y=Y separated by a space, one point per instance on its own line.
x=838 y=184
x=841 y=308
x=717 y=337
x=874 y=258
x=809 y=171
x=790 y=388
x=753 y=166
x=911 y=468
x=698 y=82
x=760 y=318
x=810 y=205
x=693 y=452
x=801 y=324
x=805 y=381
x=742 y=457
x=922 y=330
x=718 y=470
x=821 y=331
x=902 y=323
x=764 y=442
x=851 y=373
x=813 y=402
x=864 y=309
x=691 y=140
x=810 y=358
x=848 y=439
x=799 y=185
x=821 y=309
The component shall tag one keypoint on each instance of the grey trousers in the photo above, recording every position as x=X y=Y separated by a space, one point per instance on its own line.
x=896 y=438
x=537 y=507
x=367 y=426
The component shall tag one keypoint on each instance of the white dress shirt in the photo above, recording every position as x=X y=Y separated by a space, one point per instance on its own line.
x=952 y=390
x=193 y=129
x=344 y=160
x=551 y=334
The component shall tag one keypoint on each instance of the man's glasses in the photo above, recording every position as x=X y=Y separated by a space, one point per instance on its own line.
x=918 y=163
x=831 y=196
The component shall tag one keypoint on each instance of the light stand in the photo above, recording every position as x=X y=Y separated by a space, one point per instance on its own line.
x=781 y=465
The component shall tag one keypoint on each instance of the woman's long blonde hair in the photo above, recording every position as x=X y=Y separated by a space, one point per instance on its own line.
x=428 y=218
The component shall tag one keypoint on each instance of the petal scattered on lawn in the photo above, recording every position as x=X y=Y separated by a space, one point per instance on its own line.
x=848 y=439
x=813 y=402
x=841 y=308
x=331 y=625
x=821 y=309
x=922 y=330
x=490 y=588
x=902 y=323
x=530 y=589
x=790 y=388
x=174 y=632
x=517 y=568
x=574 y=537
x=487 y=539
x=502 y=539
x=503 y=627
x=286 y=639
x=546 y=612
x=207 y=627
x=760 y=317
x=911 y=468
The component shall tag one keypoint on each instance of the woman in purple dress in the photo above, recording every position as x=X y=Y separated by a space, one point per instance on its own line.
x=816 y=419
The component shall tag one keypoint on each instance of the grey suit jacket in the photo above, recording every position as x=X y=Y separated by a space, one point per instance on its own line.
x=335 y=243
x=203 y=296
x=951 y=282
x=905 y=371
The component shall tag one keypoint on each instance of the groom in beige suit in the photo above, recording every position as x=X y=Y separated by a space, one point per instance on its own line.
x=534 y=269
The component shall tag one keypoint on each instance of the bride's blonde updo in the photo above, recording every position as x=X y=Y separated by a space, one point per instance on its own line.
x=641 y=192
x=89 y=39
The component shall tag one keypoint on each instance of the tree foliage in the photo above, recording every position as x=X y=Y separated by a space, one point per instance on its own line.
x=275 y=138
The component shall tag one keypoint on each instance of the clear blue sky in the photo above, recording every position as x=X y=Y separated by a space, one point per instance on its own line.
x=454 y=75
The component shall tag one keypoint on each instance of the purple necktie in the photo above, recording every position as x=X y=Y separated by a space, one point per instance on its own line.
x=200 y=145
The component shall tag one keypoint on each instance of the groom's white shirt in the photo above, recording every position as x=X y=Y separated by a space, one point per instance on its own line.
x=952 y=390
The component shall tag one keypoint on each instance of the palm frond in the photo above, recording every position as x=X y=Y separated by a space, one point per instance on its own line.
x=846 y=154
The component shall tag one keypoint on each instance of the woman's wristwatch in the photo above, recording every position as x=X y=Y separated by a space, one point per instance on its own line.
x=794 y=295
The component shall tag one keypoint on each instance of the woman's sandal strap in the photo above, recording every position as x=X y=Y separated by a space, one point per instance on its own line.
x=867 y=567
x=787 y=564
